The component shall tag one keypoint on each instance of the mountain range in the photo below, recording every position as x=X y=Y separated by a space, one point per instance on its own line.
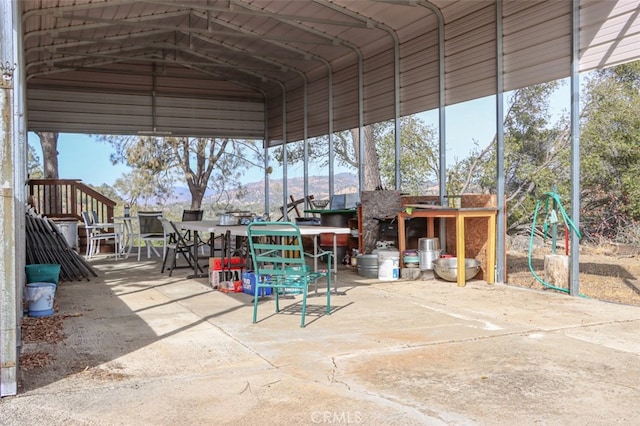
x=344 y=183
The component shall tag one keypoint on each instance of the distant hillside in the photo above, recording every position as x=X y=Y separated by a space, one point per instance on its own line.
x=318 y=187
x=344 y=183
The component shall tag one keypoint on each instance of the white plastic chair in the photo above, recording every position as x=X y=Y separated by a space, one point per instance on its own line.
x=96 y=232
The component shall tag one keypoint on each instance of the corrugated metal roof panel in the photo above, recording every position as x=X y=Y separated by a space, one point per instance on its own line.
x=223 y=116
x=536 y=43
x=249 y=49
x=455 y=10
x=531 y=14
x=611 y=41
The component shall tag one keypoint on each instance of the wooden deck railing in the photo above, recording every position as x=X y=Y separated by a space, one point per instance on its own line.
x=68 y=198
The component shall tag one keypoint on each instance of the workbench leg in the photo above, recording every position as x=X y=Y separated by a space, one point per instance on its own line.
x=460 y=253
x=335 y=263
x=315 y=255
x=401 y=239
x=431 y=229
x=491 y=251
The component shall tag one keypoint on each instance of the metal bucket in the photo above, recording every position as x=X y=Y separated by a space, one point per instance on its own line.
x=227 y=219
x=368 y=265
x=428 y=244
x=427 y=257
x=447 y=268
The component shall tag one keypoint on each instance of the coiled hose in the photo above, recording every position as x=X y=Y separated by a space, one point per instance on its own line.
x=552 y=218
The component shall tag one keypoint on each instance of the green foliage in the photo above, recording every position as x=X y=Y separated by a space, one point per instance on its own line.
x=419 y=152
x=535 y=149
x=318 y=151
x=418 y=156
x=34 y=166
x=109 y=192
x=536 y=156
x=610 y=158
x=144 y=189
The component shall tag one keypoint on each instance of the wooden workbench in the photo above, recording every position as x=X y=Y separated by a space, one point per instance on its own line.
x=460 y=215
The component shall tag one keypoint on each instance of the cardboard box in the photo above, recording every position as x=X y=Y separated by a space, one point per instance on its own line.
x=221 y=263
x=249 y=285
x=218 y=277
x=231 y=287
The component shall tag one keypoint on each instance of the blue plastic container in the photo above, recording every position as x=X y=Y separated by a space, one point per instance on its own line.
x=40 y=297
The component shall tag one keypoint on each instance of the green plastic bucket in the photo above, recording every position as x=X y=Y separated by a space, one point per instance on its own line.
x=43 y=273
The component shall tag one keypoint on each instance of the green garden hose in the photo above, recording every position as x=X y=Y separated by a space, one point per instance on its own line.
x=552 y=218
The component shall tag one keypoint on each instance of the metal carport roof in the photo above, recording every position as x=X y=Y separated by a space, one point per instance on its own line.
x=212 y=68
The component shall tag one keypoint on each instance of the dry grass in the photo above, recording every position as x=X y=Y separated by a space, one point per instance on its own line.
x=608 y=272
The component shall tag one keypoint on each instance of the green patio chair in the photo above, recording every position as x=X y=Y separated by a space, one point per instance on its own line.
x=279 y=263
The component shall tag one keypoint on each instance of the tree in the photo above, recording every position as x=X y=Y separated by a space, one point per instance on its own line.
x=144 y=189
x=610 y=158
x=347 y=152
x=536 y=155
x=34 y=168
x=49 y=144
x=372 y=177
x=419 y=155
x=202 y=163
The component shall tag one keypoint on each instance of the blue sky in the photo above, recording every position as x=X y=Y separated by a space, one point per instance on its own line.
x=81 y=157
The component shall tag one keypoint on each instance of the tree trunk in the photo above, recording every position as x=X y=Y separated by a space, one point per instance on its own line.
x=206 y=156
x=372 y=179
x=52 y=202
x=197 y=194
x=49 y=144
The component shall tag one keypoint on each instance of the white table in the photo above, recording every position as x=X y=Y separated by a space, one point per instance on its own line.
x=128 y=232
x=314 y=231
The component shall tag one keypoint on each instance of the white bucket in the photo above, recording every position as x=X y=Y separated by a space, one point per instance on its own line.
x=388 y=265
x=40 y=297
x=69 y=230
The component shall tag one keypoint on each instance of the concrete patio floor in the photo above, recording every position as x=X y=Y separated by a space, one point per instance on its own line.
x=143 y=348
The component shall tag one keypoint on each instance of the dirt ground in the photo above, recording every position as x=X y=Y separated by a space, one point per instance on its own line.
x=609 y=273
